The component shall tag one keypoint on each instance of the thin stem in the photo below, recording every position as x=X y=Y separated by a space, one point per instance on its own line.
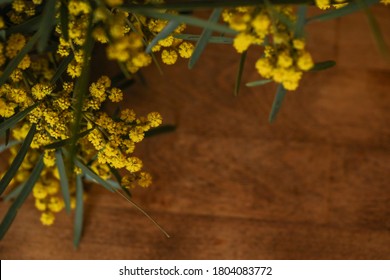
x=143 y=212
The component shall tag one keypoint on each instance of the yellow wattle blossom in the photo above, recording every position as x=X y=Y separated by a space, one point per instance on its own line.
x=55 y=204
x=284 y=60
x=144 y=180
x=242 y=42
x=15 y=43
x=305 y=61
x=323 y=4
x=116 y=95
x=167 y=42
x=264 y=67
x=137 y=134
x=16 y=75
x=39 y=191
x=261 y=23
x=48 y=158
x=154 y=119
x=39 y=91
x=134 y=164
x=18 y=5
x=40 y=204
x=186 y=49
x=7 y=109
x=77 y=7
x=299 y=44
x=63 y=47
x=47 y=218
x=100 y=35
x=25 y=63
x=169 y=56
x=74 y=69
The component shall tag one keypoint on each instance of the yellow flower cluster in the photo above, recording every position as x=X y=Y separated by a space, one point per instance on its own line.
x=170 y=47
x=79 y=11
x=123 y=44
x=114 y=139
x=326 y=4
x=285 y=58
x=22 y=10
x=46 y=191
x=8 y=51
x=109 y=142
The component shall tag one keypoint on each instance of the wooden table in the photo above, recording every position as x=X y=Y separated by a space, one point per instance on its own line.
x=228 y=185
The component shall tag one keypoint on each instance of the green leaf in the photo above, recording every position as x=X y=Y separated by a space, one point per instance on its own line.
x=28 y=26
x=12 y=211
x=10 y=122
x=14 y=167
x=167 y=30
x=204 y=38
x=300 y=23
x=14 y=192
x=187 y=5
x=280 y=93
x=239 y=73
x=46 y=25
x=319 y=66
x=11 y=143
x=117 y=184
x=114 y=184
x=88 y=172
x=7 y=135
x=61 y=68
x=376 y=31
x=189 y=20
x=63 y=179
x=79 y=212
x=258 y=83
x=349 y=9
x=212 y=39
x=160 y=130
x=80 y=90
x=11 y=66
x=64 y=21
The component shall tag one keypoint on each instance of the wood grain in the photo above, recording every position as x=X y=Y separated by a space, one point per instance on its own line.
x=227 y=185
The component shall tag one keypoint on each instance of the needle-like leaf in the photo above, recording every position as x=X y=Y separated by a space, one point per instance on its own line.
x=280 y=93
x=258 y=83
x=79 y=212
x=87 y=171
x=10 y=122
x=11 y=172
x=239 y=73
x=12 y=211
x=204 y=38
x=46 y=25
x=188 y=20
x=63 y=179
x=167 y=30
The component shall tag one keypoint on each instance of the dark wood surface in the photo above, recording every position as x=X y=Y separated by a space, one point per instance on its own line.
x=228 y=185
